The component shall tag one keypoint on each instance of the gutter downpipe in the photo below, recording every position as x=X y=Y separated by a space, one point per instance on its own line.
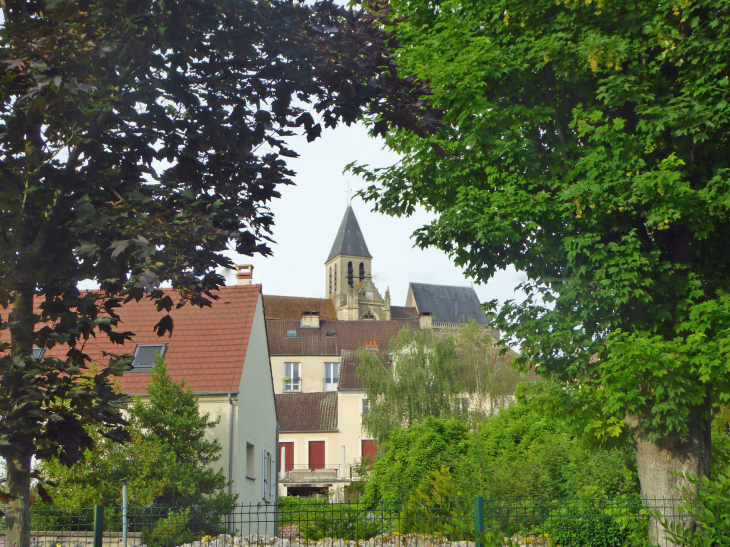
x=276 y=484
x=230 y=455
x=230 y=446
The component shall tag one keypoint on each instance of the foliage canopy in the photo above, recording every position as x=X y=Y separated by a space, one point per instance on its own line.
x=138 y=140
x=518 y=454
x=586 y=143
x=459 y=374
x=168 y=462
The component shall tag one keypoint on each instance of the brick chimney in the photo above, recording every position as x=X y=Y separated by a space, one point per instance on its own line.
x=310 y=320
x=244 y=274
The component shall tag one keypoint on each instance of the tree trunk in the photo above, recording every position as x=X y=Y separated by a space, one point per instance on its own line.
x=17 y=514
x=18 y=457
x=661 y=466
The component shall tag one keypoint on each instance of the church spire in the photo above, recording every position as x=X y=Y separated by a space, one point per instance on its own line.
x=349 y=240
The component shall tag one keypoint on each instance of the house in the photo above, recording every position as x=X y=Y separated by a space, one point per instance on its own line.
x=319 y=398
x=221 y=353
x=313 y=344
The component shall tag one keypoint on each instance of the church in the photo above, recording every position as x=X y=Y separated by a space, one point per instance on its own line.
x=355 y=297
x=313 y=345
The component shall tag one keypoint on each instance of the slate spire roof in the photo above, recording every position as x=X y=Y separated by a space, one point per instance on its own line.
x=349 y=240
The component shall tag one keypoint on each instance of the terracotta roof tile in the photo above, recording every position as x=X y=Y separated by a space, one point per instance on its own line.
x=332 y=337
x=307 y=411
x=207 y=348
x=292 y=307
x=348 y=371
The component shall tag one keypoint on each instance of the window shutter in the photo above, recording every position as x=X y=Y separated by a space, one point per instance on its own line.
x=272 y=482
x=264 y=475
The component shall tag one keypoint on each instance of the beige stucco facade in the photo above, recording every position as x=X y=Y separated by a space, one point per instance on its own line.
x=343 y=450
x=311 y=371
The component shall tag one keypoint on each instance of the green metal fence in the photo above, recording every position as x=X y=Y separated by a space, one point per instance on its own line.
x=296 y=521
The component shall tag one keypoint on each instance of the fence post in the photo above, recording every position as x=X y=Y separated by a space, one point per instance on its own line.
x=478 y=518
x=98 y=525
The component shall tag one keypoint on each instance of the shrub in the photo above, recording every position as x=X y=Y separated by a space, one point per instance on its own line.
x=709 y=507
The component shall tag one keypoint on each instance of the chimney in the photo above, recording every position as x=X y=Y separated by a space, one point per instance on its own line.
x=424 y=320
x=310 y=320
x=244 y=274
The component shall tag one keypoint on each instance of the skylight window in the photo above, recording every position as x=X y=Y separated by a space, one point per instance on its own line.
x=291 y=333
x=330 y=333
x=144 y=356
x=38 y=353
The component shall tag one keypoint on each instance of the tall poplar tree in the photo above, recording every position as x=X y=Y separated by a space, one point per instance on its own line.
x=588 y=144
x=138 y=139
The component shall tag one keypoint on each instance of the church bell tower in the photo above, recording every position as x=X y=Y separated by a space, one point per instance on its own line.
x=349 y=275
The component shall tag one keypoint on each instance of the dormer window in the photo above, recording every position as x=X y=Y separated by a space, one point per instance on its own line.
x=291 y=333
x=145 y=354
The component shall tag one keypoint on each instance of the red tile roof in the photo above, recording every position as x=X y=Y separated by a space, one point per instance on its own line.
x=207 y=348
x=292 y=307
x=344 y=335
x=307 y=411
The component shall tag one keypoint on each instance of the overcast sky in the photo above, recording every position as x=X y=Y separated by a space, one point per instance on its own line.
x=308 y=215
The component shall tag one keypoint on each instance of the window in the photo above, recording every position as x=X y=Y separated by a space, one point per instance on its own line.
x=38 y=353
x=144 y=356
x=292 y=381
x=330 y=289
x=362 y=271
x=461 y=405
x=331 y=376
x=250 y=461
x=330 y=333
x=335 y=285
x=365 y=407
x=291 y=333
x=349 y=274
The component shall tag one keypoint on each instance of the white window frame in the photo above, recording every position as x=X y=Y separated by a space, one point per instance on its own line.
x=292 y=371
x=331 y=385
x=365 y=407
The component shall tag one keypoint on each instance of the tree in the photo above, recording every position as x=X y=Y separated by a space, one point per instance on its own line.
x=138 y=140
x=458 y=374
x=586 y=143
x=519 y=453
x=168 y=462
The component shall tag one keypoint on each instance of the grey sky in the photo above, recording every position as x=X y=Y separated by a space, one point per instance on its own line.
x=308 y=215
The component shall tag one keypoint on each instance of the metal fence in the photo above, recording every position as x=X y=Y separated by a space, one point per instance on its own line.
x=301 y=521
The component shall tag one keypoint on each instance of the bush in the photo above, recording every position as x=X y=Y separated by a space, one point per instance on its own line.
x=437 y=508
x=317 y=519
x=171 y=530
x=411 y=454
x=710 y=508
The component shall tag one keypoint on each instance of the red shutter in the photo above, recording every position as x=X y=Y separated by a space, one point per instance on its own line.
x=289 y=464
x=316 y=454
x=369 y=449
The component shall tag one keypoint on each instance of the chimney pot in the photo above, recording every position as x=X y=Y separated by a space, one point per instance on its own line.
x=244 y=274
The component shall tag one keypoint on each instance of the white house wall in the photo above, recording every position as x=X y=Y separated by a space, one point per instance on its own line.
x=256 y=417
